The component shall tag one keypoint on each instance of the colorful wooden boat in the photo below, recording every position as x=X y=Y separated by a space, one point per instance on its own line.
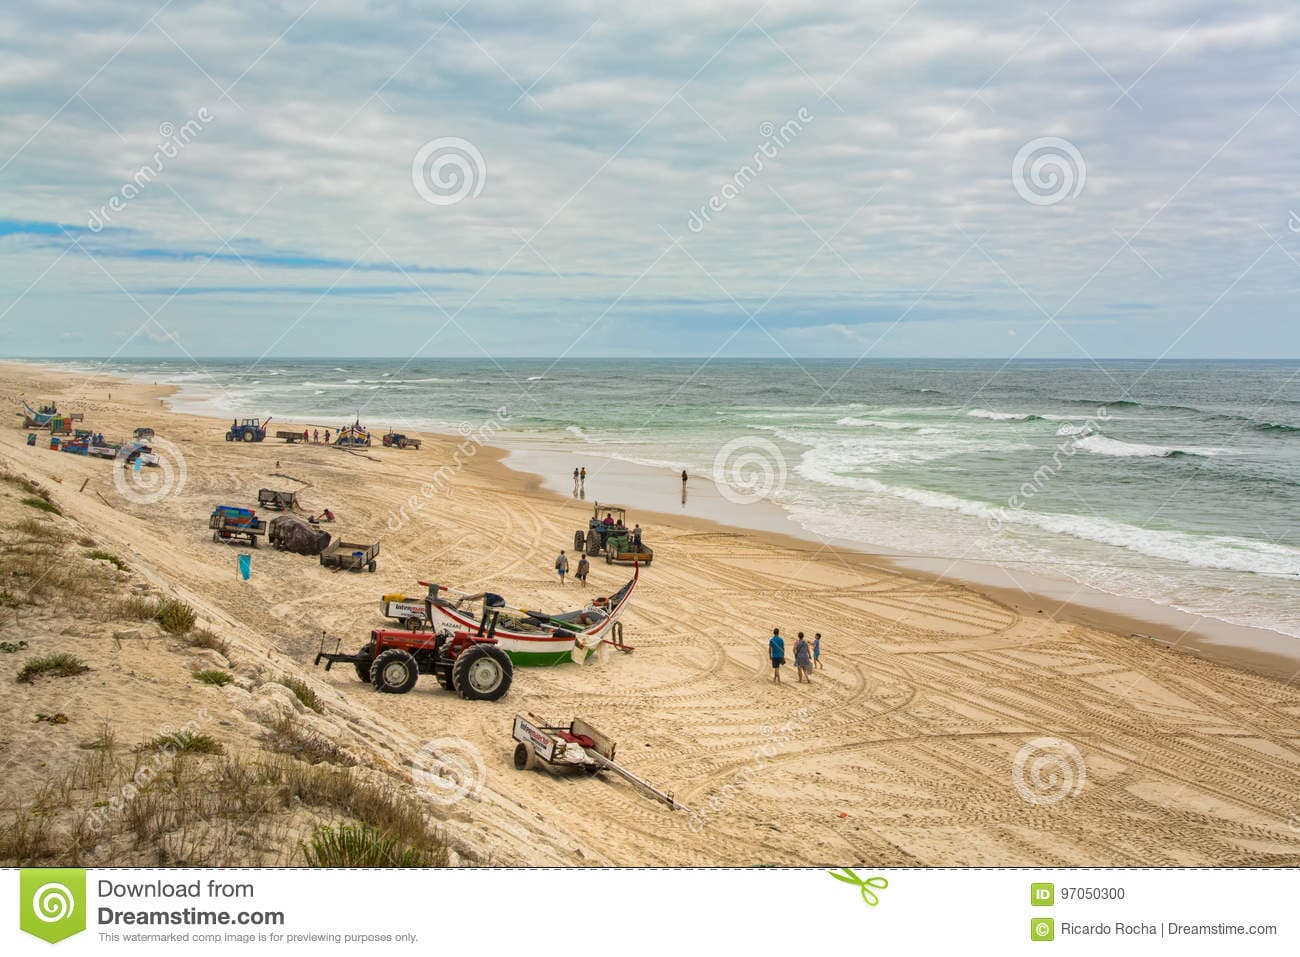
x=533 y=638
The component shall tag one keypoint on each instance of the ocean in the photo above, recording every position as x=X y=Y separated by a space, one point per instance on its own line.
x=1178 y=483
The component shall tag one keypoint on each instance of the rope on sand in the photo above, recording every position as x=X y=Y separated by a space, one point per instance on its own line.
x=292 y=478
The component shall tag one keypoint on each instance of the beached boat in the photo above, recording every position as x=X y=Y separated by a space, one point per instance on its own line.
x=33 y=417
x=535 y=638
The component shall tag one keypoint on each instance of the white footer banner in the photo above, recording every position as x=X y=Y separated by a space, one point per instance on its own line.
x=757 y=911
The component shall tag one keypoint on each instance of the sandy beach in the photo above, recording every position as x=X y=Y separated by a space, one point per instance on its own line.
x=951 y=725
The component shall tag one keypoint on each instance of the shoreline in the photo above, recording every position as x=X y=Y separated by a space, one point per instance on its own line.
x=903 y=750
x=1168 y=628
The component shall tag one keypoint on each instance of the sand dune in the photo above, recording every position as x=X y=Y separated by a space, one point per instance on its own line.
x=904 y=751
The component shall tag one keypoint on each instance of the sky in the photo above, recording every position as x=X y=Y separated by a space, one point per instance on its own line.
x=813 y=178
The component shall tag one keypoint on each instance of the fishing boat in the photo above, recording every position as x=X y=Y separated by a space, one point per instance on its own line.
x=534 y=638
x=35 y=418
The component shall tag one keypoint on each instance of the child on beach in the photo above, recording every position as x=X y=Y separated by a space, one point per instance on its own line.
x=817 y=650
x=776 y=651
x=562 y=565
x=802 y=659
x=584 y=567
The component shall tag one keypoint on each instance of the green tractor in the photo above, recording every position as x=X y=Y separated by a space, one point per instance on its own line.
x=608 y=534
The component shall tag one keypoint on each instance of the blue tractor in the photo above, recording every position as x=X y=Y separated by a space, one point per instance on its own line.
x=247 y=430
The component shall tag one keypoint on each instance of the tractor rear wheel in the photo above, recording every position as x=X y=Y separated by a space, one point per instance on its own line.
x=365 y=657
x=394 y=672
x=523 y=756
x=248 y=436
x=482 y=673
x=578 y=541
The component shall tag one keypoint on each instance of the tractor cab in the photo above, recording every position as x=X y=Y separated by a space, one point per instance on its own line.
x=606 y=521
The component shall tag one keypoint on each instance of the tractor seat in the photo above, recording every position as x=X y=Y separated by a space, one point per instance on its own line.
x=579 y=739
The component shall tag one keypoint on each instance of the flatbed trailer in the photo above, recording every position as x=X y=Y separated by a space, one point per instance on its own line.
x=350 y=556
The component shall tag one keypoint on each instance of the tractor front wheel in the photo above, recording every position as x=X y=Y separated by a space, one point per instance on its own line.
x=394 y=672
x=523 y=756
x=593 y=545
x=482 y=673
x=230 y=436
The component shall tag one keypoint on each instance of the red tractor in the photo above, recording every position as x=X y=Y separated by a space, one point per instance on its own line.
x=467 y=662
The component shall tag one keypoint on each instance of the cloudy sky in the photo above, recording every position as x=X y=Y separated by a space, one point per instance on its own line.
x=893 y=178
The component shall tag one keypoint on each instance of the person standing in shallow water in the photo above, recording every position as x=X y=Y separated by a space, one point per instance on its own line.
x=776 y=651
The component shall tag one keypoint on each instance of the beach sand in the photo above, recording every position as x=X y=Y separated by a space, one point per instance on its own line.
x=948 y=727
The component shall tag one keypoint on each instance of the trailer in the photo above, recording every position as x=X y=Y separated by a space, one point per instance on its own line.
x=280 y=501
x=411 y=613
x=234 y=525
x=291 y=437
x=350 y=556
x=575 y=745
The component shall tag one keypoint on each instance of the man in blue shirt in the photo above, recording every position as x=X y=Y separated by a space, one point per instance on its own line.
x=776 y=649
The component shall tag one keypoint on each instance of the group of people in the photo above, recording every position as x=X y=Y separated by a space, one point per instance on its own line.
x=807 y=655
x=315 y=436
x=562 y=567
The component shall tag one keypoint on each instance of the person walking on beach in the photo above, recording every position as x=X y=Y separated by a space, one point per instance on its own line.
x=562 y=565
x=817 y=651
x=803 y=659
x=776 y=650
x=584 y=567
